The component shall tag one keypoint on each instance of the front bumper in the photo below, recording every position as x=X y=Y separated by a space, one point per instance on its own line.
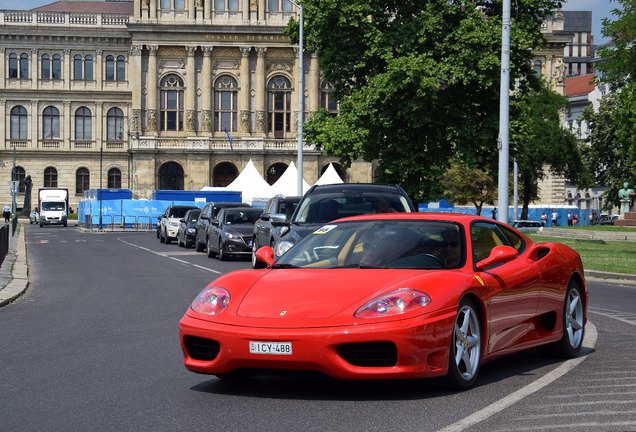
x=242 y=246
x=420 y=344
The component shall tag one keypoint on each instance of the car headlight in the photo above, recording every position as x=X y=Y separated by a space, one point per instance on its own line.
x=173 y=223
x=395 y=302
x=233 y=236
x=282 y=247
x=211 y=301
x=63 y=214
x=191 y=230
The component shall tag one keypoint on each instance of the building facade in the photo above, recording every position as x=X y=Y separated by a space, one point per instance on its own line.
x=155 y=94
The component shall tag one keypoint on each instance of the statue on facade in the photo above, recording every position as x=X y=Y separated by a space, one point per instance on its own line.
x=626 y=196
x=28 y=184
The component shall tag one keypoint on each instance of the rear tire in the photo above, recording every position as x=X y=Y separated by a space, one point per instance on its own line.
x=464 y=356
x=573 y=325
x=199 y=247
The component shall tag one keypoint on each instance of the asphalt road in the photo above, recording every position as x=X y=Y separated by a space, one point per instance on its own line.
x=93 y=346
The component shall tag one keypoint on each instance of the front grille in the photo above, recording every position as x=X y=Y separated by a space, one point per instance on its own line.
x=369 y=354
x=201 y=348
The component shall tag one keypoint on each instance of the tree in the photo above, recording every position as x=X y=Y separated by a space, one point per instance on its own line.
x=611 y=155
x=537 y=138
x=417 y=81
x=469 y=184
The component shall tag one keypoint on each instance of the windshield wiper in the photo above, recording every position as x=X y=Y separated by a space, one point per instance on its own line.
x=284 y=266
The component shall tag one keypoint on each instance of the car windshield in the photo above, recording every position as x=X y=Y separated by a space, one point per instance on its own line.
x=380 y=244
x=322 y=208
x=194 y=216
x=242 y=217
x=53 y=206
x=178 y=212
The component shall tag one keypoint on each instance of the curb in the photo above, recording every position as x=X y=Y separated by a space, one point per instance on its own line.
x=15 y=265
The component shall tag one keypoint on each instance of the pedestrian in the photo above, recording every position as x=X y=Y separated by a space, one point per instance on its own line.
x=575 y=219
x=555 y=217
x=494 y=213
x=569 y=219
x=6 y=212
x=544 y=219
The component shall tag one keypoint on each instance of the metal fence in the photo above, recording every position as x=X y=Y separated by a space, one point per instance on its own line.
x=4 y=242
x=119 y=223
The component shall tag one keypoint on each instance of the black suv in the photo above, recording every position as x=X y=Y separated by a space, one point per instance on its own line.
x=324 y=203
x=208 y=213
x=265 y=234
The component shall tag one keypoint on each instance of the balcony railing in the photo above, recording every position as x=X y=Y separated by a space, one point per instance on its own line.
x=210 y=144
x=63 y=19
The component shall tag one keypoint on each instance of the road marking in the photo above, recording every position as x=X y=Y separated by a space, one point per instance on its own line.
x=616 y=315
x=207 y=269
x=166 y=255
x=588 y=342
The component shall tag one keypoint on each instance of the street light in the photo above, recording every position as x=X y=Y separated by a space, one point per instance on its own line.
x=301 y=90
x=504 y=116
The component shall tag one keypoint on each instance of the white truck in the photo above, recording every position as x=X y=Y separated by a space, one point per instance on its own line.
x=53 y=204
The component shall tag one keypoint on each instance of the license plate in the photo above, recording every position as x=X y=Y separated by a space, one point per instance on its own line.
x=275 y=348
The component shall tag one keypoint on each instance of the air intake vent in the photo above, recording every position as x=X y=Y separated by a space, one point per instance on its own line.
x=369 y=354
x=201 y=348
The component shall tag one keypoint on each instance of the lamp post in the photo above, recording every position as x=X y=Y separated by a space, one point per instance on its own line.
x=504 y=116
x=101 y=158
x=13 y=186
x=301 y=91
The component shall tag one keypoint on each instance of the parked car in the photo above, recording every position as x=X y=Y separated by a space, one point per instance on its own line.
x=34 y=217
x=264 y=232
x=230 y=233
x=607 y=219
x=169 y=222
x=186 y=234
x=527 y=226
x=383 y=296
x=208 y=213
x=324 y=203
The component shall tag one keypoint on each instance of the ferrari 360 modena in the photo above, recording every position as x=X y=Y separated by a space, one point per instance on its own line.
x=386 y=296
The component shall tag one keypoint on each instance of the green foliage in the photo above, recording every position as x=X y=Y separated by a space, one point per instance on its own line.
x=417 y=81
x=469 y=184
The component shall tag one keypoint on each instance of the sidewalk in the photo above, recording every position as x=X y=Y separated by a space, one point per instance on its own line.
x=14 y=278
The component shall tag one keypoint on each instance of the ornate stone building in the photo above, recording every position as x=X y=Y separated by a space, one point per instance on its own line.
x=154 y=94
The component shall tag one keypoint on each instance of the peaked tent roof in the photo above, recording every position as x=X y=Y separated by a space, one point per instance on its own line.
x=250 y=183
x=287 y=184
x=330 y=176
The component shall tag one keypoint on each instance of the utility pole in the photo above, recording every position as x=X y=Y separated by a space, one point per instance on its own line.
x=504 y=116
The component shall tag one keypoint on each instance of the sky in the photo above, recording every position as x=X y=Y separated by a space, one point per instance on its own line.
x=600 y=9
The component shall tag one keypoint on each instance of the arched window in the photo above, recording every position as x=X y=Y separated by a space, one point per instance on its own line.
x=20 y=175
x=13 y=65
x=279 y=106
x=50 y=123
x=56 y=67
x=171 y=103
x=224 y=174
x=45 y=67
x=279 y=6
x=24 y=65
x=225 y=99
x=328 y=99
x=114 y=125
x=110 y=68
x=77 y=67
x=226 y=5
x=82 y=180
x=83 y=124
x=121 y=68
x=50 y=177
x=88 y=67
x=171 y=176
x=275 y=171
x=19 y=121
x=114 y=178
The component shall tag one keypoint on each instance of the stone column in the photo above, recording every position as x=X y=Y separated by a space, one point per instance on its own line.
x=67 y=134
x=261 y=11
x=2 y=67
x=314 y=84
x=34 y=123
x=153 y=10
x=244 y=91
x=68 y=67
x=34 y=68
x=98 y=122
x=191 y=11
x=99 y=68
x=137 y=9
x=190 y=93
x=151 y=91
x=261 y=92
x=206 y=91
x=245 y=6
x=135 y=85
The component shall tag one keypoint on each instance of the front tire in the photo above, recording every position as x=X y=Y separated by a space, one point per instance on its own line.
x=222 y=255
x=210 y=252
x=254 y=249
x=465 y=349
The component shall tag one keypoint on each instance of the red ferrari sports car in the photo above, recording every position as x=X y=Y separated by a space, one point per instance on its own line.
x=400 y=295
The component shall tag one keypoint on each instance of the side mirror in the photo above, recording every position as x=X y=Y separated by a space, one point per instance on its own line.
x=182 y=220
x=265 y=216
x=215 y=222
x=498 y=255
x=279 y=220
x=264 y=257
x=204 y=217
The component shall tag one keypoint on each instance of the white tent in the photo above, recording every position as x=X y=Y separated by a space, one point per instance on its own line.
x=250 y=183
x=287 y=184
x=330 y=176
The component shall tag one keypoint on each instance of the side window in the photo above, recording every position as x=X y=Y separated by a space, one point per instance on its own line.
x=484 y=237
x=513 y=239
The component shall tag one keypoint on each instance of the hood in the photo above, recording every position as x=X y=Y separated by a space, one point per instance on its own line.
x=241 y=229
x=320 y=293
x=298 y=232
